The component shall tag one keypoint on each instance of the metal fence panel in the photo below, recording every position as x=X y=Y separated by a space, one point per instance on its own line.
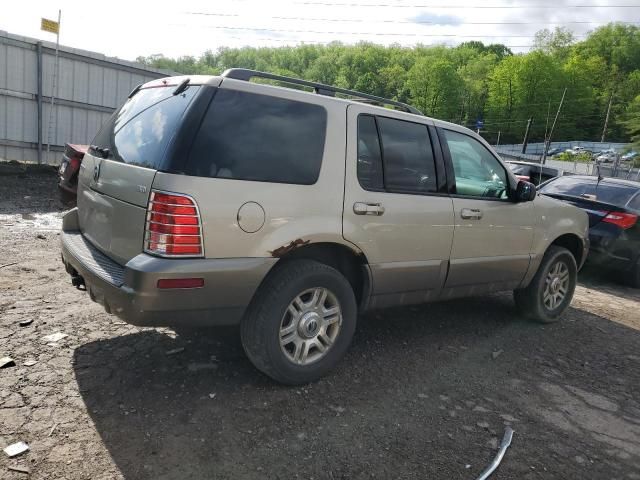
x=89 y=87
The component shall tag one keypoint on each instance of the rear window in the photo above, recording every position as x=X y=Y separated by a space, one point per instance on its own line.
x=606 y=192
x=246 y=136
x=140 y=131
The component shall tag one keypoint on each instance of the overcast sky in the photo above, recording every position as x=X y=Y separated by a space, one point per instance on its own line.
x=127 y=29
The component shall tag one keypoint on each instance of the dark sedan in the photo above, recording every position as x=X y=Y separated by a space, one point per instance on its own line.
x=613 y=206
x=68 y=172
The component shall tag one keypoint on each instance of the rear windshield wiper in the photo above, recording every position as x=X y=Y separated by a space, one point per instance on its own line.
x=102 y=152
x=182 y=87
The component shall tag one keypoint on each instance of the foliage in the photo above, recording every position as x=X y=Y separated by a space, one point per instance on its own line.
x=632 y=123
x=472 y=81
x=582 y=157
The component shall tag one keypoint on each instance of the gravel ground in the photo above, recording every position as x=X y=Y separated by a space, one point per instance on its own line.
x=424 y=392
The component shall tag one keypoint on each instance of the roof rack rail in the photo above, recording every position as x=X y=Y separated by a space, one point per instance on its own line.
x=319 y=88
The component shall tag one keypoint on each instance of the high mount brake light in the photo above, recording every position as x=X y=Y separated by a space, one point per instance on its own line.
x=173 y=227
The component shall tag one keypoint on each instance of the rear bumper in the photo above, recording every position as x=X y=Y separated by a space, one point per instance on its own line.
x=613 y=248
x=131 y=292
x=610 y=260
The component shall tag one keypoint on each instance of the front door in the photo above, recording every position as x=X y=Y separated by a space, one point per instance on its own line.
x=493 y=235
x=396 y=209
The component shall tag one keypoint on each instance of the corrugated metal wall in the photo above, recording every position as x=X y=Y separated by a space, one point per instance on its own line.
x=89 y=87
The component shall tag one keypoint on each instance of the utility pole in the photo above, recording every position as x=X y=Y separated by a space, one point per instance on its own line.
x=54 y=87
x=498 y=140
x=553 y=126
x=525 y=141
x=606 y=120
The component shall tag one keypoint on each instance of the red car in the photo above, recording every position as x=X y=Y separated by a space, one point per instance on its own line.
x=68 y=172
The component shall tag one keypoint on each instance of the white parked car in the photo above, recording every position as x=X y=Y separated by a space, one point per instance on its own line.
x=607 y=157
x=577 y=150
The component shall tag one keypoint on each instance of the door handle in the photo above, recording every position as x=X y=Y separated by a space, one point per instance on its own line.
x=471 y=214
x=362 y=208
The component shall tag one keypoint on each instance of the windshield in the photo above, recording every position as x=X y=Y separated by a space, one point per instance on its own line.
x=606 y=192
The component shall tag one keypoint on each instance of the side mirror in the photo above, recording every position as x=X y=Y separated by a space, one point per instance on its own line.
x=525 y=191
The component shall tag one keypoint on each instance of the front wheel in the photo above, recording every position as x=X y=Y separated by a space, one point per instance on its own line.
x=301 y=322
x=550 y=292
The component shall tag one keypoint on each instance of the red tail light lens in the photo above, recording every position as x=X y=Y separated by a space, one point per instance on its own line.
x=621 y=219
x=173 y=227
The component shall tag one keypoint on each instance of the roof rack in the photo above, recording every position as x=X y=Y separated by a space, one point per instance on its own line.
x=319 y=88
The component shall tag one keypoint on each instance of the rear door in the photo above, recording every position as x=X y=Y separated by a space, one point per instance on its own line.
x=395 y=207
x=117 y=172
x=493 y=236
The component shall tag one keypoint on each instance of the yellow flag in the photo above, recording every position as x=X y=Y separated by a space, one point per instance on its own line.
x=49 y=25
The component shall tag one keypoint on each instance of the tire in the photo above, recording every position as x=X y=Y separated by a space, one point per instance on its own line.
x=269 y=317
x=531 y=300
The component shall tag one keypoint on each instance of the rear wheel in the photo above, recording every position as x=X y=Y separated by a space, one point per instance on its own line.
x=301 y=322
x=551 y=290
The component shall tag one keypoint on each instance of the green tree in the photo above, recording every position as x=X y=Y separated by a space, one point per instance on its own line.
x=435 y=87
x=632 y=122
x=470 y=81
x=557 y=43
x=521 y=87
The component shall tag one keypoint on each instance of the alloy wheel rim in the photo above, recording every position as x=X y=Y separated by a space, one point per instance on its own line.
x=556 y=285
x=310 y=325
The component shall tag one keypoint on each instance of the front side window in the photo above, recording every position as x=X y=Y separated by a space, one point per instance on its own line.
x=247 y=136
x=478 y=173
x=405 y=162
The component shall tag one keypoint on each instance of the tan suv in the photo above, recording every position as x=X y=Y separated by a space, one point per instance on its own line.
x=217 y=201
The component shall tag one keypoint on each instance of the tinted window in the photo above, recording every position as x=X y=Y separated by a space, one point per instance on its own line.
x=615 y=194
x=139 y=132
x=407 y=156
x=369 y=158
x=478 y=173
x=257 y=137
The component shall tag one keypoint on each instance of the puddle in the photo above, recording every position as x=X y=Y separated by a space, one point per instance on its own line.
x=43 y=222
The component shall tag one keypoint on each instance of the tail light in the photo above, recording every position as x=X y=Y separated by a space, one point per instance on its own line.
x=621 y=219
x=173 y=227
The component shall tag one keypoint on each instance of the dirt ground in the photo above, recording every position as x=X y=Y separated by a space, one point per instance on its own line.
x=424 y=393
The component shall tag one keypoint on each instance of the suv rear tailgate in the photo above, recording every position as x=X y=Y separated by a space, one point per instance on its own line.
x=118 y=170
x=112 y=203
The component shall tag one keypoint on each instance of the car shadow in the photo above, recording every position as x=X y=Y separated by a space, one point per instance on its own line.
x=609 y=282
x=192 y=406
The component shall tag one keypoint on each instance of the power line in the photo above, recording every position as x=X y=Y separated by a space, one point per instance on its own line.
x=464 y=7
x=409 y=22
x=380 y=34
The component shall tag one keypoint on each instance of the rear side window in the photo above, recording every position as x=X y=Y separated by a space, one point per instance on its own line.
x=369 y=156
x=405 y=162
x=140 y=131
x=247 y=136
x=407 y=155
